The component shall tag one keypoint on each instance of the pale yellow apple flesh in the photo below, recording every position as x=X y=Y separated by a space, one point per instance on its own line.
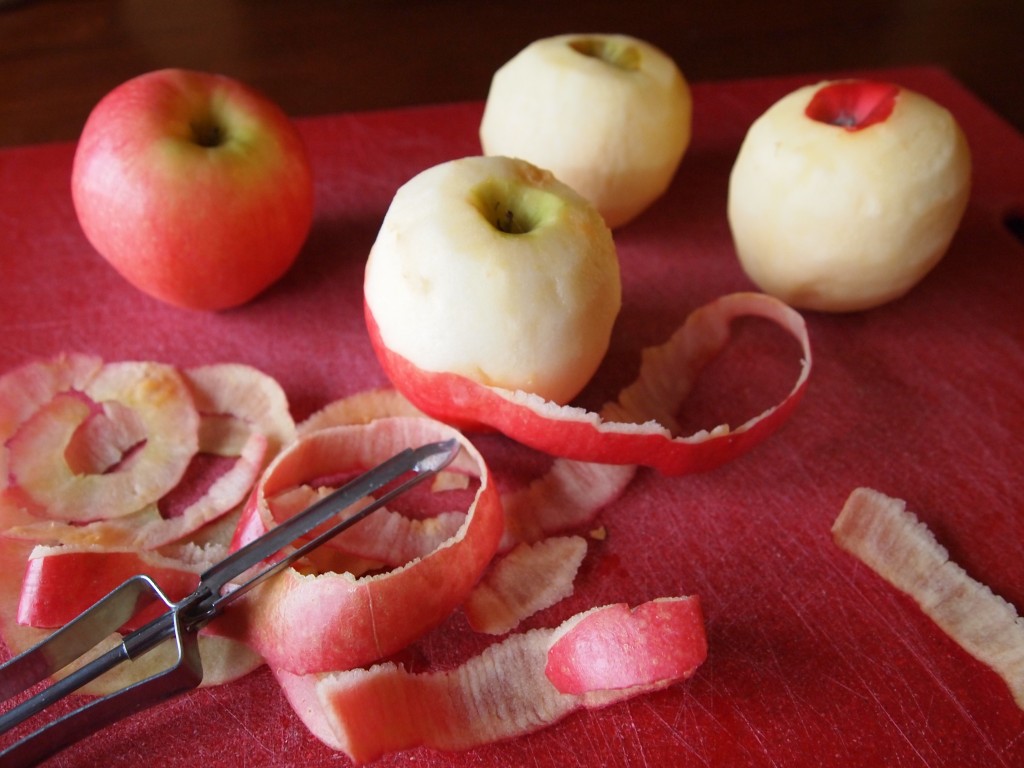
x=833 y=219
x=609 y=115
x=492 y=269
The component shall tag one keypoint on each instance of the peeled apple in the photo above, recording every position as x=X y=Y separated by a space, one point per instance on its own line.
x=610 y=115
x=845 y=194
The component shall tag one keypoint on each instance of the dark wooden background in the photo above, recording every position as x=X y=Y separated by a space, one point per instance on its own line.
x=58 y=57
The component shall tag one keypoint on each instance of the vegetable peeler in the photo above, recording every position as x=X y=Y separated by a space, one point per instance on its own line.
x=180 y=623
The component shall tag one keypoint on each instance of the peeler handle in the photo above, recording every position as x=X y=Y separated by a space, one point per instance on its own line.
x=70 y=643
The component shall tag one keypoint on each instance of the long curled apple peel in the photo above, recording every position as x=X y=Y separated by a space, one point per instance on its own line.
x=90 y=451
x=518 y=686
x=327 y=621
x=93 y=447
x=624 y=433
x=49 y=486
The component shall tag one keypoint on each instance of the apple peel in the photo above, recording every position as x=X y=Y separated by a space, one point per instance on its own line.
x=245 y=393
x=107 y=427
x=666 y=376
x=386 y=537
x=39 y=470
x=313 y=623
x=853 y=104
x=234 y=411
x=567 y=497
x=502 y=693
x=223 y=659
x=62 y=582
x=889 y=539
x=528 y=579
x=663 y=638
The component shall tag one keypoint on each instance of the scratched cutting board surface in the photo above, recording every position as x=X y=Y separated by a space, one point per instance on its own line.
x=813 y=659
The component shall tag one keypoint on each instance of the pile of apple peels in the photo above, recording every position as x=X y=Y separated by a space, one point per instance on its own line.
x=108 y=469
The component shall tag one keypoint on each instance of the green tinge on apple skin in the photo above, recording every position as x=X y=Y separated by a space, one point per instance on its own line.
x=515 y=208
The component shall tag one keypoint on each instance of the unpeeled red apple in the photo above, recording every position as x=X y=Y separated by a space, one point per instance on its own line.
x=845 y=194
x=609 y=115
x=196 y=188
x=491 y=269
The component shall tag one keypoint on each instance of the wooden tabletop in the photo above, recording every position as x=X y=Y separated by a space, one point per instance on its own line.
x=58 y=57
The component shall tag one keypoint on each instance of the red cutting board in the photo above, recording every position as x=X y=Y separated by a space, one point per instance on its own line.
x=813 y=659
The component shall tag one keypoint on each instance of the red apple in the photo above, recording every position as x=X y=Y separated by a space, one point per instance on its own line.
x=197 y=189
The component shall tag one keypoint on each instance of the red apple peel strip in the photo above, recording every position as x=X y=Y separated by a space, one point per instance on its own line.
x=502 y=693
x=62 y=582
x=307 y=624
x=581 y=435
x=565 y=498
x=223 y=659
x=890 y=540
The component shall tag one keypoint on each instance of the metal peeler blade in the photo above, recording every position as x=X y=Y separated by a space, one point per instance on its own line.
x=180 y=623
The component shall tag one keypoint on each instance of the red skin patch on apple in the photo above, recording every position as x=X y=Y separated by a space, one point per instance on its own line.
x=853 y=104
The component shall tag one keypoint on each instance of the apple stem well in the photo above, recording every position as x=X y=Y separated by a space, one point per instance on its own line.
x=514 y=209
x=207 y=133
x=853 y=104
x=616 y=53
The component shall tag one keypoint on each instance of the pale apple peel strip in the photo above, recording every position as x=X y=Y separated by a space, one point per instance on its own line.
x=147 y=529
x=247 y=394
x=242 y=413
x=502 y=693
x=39 y=469
x=228 y=395
x=27 y=388
x=890 y=540
x=568 y=497
x=526 y=580
x=103 y=439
